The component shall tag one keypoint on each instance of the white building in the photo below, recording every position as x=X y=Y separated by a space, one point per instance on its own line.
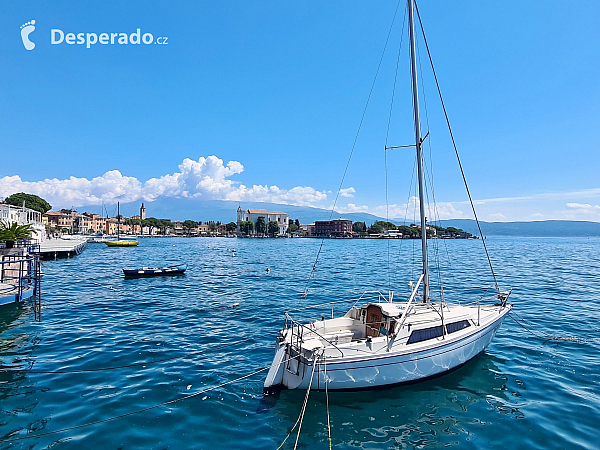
x=20 y=215
x=252 y=215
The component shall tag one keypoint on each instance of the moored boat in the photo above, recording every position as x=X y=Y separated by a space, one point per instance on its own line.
x=155 y=271
x=381 y=340
x=120 y=242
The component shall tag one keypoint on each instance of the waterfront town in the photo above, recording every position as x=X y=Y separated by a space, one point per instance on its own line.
x=249 y=223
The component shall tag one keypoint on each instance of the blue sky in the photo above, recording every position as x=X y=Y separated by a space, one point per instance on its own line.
x=261 y=100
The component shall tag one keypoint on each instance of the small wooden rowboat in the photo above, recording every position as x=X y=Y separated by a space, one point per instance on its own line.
x=155 y=271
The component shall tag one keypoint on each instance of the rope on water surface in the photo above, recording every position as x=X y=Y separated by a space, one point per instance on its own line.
x=542 y=334
x=305 y=403
x=327 y=401
x=131 y=413
x=301 y=415
x=125 y=366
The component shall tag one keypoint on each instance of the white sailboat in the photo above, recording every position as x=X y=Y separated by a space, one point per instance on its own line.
x=384 y=341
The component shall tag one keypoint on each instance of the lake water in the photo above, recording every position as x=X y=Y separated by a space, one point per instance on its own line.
x=523 y=392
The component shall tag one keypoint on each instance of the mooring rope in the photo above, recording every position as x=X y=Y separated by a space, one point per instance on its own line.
x=131 y=413
x=542 y=334
x=305 y=403
x=301 y=415
x=125 y=366
x=327 y=400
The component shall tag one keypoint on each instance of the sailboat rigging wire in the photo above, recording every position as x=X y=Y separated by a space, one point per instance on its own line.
x=429 y=174
x=131 y=413
x=456 y=150
x=387 y=135
x=311 y=275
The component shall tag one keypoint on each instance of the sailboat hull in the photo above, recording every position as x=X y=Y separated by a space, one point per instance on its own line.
x=382 y=368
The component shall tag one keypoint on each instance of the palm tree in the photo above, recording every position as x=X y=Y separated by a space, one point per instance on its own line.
x=14 y=232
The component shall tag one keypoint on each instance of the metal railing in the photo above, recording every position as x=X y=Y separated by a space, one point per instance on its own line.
x=21 y=271
x=300 y=334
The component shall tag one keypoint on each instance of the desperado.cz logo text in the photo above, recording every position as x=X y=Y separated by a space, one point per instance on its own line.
x=58 y=37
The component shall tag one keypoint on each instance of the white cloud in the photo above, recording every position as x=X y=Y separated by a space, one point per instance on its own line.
x=409 y=210
x=108 y=188
x=208 y=178
x=348 y=192
x=299 y=195
x=213 y=179
x=352 y=208
x=585 y=208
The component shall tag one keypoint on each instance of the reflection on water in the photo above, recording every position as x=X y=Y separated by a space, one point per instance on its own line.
x=522 y=392
x=431 y=413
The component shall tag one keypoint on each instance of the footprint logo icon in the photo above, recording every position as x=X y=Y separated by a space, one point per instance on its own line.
x=26 y=30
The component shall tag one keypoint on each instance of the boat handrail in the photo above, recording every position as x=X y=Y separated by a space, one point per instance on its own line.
x=312 y=331
x=410 y=300
x=348 y=300
x=473 y=288
x=355 y=300
x=482 y=299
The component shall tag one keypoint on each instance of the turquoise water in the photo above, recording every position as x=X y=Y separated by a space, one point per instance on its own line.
x=523 y=392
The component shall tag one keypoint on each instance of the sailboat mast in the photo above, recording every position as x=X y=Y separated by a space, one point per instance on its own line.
x=118 y=221
x=418 y=142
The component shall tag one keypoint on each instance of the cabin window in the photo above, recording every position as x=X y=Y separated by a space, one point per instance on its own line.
x=457 y=326
x=425 y=334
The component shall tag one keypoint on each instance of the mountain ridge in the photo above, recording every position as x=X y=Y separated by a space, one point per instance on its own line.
x=225 y=211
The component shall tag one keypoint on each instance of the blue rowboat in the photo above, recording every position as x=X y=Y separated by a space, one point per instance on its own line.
x=155 y=271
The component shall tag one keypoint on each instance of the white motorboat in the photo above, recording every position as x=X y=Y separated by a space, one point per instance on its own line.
x=380 y=340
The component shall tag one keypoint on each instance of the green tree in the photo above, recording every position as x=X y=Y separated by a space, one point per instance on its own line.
x=261 y=225
x=164 y=224
x=297 y=223
x=231 y=227
x=31 y=201
x=273 y=227
x=14 y=232
x=410 y=232
x=247 y=227
x=189 y=224
x=359 y=227
x=212 y=226
x=151 y=222
x=292 y=228
x=379 y=226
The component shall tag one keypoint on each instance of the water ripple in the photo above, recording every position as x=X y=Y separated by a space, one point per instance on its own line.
x=523 y=392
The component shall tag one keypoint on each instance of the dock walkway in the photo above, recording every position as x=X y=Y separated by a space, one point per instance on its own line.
x=62 y=248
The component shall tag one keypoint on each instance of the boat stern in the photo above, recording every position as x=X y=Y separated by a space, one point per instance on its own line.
x=273 y=382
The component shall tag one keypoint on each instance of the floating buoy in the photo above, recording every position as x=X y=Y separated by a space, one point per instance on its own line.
x=268 y=270
x=235 y=305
